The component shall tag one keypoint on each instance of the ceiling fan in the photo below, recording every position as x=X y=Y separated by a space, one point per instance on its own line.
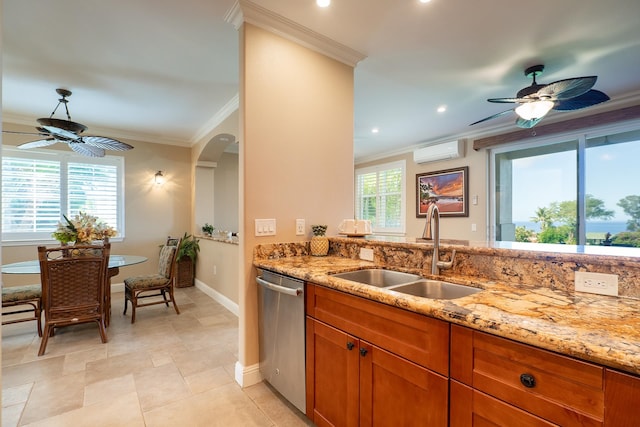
x=59 y=130
x=538 y=99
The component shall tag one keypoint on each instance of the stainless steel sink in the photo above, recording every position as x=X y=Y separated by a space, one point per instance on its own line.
x=378 y=277
x=435 y=289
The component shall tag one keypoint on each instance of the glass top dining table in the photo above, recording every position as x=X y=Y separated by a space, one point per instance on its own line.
x=33 y=266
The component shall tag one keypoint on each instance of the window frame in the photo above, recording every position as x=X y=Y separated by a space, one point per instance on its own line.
x=399 y=164
x=64 y=159
x=581 y=136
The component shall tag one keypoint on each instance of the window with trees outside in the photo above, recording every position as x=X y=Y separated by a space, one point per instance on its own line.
x=578 y=190
x=380 y=196
x=39 y=187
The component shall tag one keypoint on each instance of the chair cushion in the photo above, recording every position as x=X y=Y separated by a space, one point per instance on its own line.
x=143 y=282
x=21 y=293
x=164 y=264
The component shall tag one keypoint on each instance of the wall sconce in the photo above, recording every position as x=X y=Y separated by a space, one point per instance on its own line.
x=159 y=178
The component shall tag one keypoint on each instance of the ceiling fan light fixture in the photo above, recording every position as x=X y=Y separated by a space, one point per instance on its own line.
x=534 y=110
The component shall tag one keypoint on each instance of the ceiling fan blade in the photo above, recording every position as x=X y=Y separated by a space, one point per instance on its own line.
x=527 y=124
x=585 y=100
x=26 y=133
x=492 y=117
x=567 y=88
x=38 y=143
x=86 y=150
x=105 y=143
x=510 y=100
x=60 y=133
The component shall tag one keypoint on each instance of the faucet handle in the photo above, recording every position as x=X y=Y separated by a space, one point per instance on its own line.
x=447 y=264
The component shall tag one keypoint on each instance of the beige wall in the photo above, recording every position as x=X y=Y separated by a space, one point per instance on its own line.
x=151 y=212
x=296 y=151
x=226 y=193
x=450 y=227
x=217 y=267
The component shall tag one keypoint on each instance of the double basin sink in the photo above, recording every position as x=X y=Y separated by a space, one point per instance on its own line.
x=407 y=283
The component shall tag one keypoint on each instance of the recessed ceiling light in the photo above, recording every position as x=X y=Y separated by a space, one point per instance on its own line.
x=442 y=109
x=375 y=130
x=425 y=1
x=323 y=3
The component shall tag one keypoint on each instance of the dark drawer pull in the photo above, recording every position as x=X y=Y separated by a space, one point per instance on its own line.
x=528 y=380
x=363 y=352
x=350 y=345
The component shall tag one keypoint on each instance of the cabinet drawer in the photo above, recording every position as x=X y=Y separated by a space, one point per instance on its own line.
x=470 y=407
x=560 y=389
x=421 y=339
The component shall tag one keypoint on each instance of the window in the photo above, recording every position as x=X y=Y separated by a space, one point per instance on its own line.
x=575 y=190
x=38 y=188
x=380 y=196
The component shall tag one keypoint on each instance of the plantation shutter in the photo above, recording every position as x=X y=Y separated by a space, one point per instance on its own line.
x=30 y=196
x=93 y=188
x=380 y=196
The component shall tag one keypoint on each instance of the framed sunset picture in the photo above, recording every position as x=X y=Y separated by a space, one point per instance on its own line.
x=448 y=188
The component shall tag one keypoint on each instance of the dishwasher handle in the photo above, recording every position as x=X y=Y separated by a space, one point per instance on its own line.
x=289 y=291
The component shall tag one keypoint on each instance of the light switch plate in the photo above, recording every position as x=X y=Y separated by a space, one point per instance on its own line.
x=265 y=227
x=596 y=283
x=299 y=227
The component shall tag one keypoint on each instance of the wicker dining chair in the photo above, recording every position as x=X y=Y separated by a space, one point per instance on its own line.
x=73 y=286
x=154 y=285
x=20 y=300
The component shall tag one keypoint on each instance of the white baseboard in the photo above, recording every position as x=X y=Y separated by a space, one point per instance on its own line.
x=218 y=297
x=247 y=376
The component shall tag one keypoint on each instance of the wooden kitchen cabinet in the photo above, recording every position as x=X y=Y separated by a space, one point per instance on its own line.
x=333 y=376
x=355 y=379
x=544 y=387
x=622 y=398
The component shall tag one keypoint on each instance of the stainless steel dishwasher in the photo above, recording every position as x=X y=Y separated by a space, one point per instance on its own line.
x=282 y=339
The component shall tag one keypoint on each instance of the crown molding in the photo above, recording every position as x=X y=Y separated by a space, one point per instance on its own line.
x=217 y=119
x=247 y=11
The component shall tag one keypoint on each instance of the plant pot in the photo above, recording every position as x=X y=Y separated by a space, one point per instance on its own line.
x=185 y=273
x=319 y=245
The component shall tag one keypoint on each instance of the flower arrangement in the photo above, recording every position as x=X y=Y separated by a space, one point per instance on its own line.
x=83 y=228
x=207 y=229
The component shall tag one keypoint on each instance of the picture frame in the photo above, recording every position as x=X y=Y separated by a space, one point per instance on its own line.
x=449 y=187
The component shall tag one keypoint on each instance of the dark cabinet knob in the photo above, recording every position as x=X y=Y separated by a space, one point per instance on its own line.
x=363 y=352
x=528 y=380
x=350 y=345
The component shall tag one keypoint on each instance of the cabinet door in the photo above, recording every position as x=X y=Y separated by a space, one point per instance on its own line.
x=622 y=396
x=332 y=376
x=396 y=392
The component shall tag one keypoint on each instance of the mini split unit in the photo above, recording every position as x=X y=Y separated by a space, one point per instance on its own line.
x=444 y=151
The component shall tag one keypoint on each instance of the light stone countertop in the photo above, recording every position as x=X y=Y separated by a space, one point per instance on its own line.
x=595 y=328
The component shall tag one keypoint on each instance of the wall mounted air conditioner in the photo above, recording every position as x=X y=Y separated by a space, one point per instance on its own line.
x=444 y=151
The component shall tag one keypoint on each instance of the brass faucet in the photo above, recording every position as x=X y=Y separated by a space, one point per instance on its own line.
x=433 y=233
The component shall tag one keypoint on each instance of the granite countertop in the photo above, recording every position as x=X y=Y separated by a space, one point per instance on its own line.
x=596 y=328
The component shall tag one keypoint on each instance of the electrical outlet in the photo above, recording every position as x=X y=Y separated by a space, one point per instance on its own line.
x=366 y=254
x=597 y=283
x=215 y=270
x=299 y=227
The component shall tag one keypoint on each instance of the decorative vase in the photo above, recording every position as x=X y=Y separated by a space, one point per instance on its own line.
x=319 y=245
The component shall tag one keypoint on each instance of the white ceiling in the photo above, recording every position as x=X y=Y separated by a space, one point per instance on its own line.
x=163 y=70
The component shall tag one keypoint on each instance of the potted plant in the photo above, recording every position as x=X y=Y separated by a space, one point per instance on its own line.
x=186 y=260
x=319 y=242
x=207 y=229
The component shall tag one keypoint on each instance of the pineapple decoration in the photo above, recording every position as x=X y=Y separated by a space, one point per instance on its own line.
x=319 y=242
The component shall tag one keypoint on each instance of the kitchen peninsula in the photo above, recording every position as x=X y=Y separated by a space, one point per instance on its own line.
x=527 y=299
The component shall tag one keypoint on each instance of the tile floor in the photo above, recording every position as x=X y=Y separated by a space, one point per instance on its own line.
x=164 y=370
